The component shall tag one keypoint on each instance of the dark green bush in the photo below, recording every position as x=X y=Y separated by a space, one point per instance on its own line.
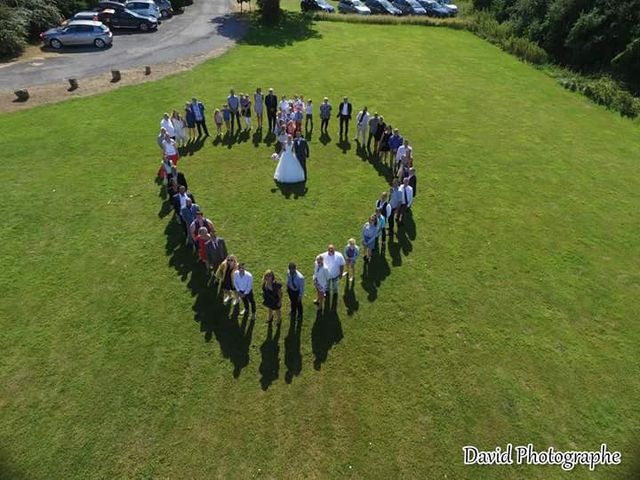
x=269 y=10
x=13 y=31
x=525 y=50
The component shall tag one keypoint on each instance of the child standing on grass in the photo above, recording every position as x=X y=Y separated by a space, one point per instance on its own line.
x=217 y=119
x=226 y=116
x=351 y=253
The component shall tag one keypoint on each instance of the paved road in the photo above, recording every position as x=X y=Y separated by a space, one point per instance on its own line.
x=203 y=27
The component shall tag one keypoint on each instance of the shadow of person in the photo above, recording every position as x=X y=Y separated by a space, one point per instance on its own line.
x=410 y=224
x=394 y=252
x=217 y=140
x=270 y=351
x=294 y=190
x=373 y=274
x=244 y=136
x=257 y=137
x=344 y=144
x=325 y=139
x=165 y=209
x=292 y=353
x=325 y=333
x=349 y=298
x=403 y=238
x=245 y=343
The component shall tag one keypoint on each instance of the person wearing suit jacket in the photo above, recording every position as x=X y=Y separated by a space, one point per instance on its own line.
x=301 y=149
x=344 y=114
x=271 y=102
x=180 y=201
x=406 y=200
x=216 y=250
x=413 y=181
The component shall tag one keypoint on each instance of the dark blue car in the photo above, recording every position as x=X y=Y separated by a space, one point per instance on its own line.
x=434 y=9
x=382 y=7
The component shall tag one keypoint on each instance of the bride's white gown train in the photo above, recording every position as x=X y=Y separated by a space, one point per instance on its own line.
x=288 y=169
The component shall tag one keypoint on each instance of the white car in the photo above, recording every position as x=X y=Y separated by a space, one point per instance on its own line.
x=353 y=6
x=144 y=7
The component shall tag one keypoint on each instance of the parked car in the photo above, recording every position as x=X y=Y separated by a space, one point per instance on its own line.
x=166 y=9
x=85 y=15
x=78 y=32
x=434 y=9
x=104 y=4
x=144 y=7
x=316 y=5
x=353 y=6
x=124 y=18
x=409 y=7
x=453 y=9
x=383 y=7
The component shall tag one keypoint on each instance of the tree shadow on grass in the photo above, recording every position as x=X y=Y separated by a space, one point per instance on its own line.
x=325 y=333
x=270 y=351
x=293 y=27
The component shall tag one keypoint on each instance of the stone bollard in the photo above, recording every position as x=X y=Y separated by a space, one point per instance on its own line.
x=22 y=95
x=73 y=84
x=147 y=70
x=115 y=76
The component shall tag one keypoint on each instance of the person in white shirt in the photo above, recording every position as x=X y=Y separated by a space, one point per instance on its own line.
x=309 y=116
x=167 y=125
x=362 y=122
x=403 y=150
x=284 y=104
x=179 y=128
x=170 y=149
x=320 y=281
x=243 y=282
x=406 y=200
x=334 y=261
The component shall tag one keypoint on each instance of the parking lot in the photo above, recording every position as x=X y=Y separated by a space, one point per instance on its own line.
x=204 y=26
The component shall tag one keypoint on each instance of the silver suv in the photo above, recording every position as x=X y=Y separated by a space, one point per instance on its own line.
x=78 y=32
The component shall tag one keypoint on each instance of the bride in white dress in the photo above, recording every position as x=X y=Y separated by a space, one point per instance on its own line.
x=289 y=169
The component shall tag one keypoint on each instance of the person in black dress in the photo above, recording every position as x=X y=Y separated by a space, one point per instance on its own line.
x=272 y=295
x=378 y=135
x=384 y=145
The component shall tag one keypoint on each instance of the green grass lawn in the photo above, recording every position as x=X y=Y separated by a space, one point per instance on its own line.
x=509 y=315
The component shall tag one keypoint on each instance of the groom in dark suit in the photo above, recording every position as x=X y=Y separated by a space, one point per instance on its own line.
x=271 y=102
x=344 y=114
x=301 y=149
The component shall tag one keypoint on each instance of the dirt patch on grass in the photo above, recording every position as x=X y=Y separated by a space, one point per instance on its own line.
x=58 y=92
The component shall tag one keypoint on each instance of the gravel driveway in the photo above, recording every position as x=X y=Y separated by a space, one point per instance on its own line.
x=204 y=26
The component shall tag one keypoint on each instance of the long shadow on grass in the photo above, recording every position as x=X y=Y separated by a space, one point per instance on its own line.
x=293 y=27
x=292 y=353
x=215 y=319
x=325 y=333
x=382 y=169
x=270 y=352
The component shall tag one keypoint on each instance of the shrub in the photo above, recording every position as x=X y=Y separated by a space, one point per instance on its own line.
x=13 y=31
x=605 y=91
x=269 y=10
x=38 y=15
x=525 y=50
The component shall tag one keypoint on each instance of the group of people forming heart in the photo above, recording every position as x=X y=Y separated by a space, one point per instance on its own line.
x=331 y=266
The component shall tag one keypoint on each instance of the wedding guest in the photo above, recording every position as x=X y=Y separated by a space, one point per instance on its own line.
x=170 y=149
x=167 y=125
x=320 y=281
x=362 y=123
x=369 y=235
x=234 y=107
x=351 y=253
x=180 y=201
x=198 y=113
x=380 y=224
x=272 y=295
x=325 y=115
x=160 y=138
x=291 y=127
x=413 y=181
x=188 y=214
x=271 y=103
x=226 y=116
x=200 y=221
x=295 y=290
x=216 y=250
x=407 y=200
x=258 y=106
x=394 y=142
x=308 y=116
x=245 y=110
x=190 y=120
x=378 y=134
x=383 y=205
x=403 y=150
x=344 y=114
x=217 y=119
x=334 y=261
x=395 y=200
x=224 y=276
x=243 y=282
x=297 y=118
x=284 y=104
x=383 y=146
x=282 y=137
x=373 y=127
x=179 y=128
x=202 y=238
